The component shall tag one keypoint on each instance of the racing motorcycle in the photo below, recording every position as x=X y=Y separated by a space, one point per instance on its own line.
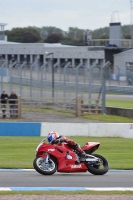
x=61 y=158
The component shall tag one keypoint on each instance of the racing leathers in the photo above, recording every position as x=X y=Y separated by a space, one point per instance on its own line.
x=72 y=144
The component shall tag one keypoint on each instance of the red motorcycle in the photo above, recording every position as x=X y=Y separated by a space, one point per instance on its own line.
x=61 y=158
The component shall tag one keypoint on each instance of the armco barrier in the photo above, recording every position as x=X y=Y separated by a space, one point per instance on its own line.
x=20 y=129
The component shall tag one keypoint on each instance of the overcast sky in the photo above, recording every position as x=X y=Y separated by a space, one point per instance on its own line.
x=84 y=14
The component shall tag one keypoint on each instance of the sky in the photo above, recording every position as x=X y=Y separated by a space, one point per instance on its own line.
x=83 y=14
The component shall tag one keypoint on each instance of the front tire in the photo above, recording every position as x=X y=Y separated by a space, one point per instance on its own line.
x=44 y=168
x=98 y=169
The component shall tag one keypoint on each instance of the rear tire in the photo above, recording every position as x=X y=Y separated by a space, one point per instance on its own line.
x=45 y=168
x=100 y=169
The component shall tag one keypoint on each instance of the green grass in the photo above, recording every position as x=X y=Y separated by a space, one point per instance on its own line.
x=108 y=118
x=53 y=192
x=119 y=104
x=19 y=152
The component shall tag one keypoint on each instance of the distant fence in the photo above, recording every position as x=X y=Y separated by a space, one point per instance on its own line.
x=76 y=106
x=39 y=81
x=62 y=85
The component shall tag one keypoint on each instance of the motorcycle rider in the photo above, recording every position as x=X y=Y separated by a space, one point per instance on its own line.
x=55 y=138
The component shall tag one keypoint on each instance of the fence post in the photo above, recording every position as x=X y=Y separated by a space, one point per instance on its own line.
x=78 y=106
x=65 y=72
x=82 y=107
x=19 y=106
x=96 y=106
x=90 y=85
x=104 y=86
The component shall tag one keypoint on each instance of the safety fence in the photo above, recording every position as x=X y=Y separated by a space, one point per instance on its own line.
x=62 y=85
x=76 y=106
x=40 y=81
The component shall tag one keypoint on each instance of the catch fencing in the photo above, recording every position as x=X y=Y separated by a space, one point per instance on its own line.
x=41 y=84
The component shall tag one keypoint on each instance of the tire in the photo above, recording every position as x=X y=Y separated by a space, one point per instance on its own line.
x=45 y=168
x=100 y=169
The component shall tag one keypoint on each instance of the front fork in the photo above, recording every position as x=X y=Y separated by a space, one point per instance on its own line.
x=47 y=158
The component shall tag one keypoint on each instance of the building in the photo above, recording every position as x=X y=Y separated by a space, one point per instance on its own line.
x=123 y=65
x=100 y=52
x=61 y=54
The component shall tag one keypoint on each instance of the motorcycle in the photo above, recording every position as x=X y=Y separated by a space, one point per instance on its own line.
x=61 y=158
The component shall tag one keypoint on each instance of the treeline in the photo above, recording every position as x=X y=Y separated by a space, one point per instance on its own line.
x=49 y=34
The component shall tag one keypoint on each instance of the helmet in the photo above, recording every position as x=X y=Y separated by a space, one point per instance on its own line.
x=52 y=136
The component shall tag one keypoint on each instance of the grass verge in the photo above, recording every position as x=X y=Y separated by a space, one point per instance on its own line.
x=67 y=193
x=20 y=151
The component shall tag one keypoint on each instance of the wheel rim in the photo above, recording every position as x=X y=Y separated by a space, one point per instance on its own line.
x=50 y=166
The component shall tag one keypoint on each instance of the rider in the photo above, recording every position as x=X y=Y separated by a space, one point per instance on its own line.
x=55 y=138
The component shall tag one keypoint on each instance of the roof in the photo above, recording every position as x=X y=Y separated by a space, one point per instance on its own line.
x=124 y=52
x=6 y=42
x=45 y=44
x=56 y=45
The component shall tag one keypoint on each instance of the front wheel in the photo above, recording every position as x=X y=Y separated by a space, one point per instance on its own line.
x=98 y=168
x=43 y=167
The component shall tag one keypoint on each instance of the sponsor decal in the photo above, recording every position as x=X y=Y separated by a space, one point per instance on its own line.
x=51 y=149
x=76 y=166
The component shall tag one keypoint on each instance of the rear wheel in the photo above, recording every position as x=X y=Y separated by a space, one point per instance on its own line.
x=98 y=168
x=44 y=168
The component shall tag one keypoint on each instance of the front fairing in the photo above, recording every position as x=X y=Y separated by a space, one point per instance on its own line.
x=44 y=148
x=59 y=152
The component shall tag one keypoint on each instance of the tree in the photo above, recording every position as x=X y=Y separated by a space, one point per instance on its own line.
x=31 y=35
x=54 y=38
x=23 y=35
x=75 y=33
x=101 y=33
x=50 y=34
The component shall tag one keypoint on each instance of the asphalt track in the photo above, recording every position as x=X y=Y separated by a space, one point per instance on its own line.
x=30 y=178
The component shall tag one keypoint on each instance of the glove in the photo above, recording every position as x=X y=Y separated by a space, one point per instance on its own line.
x=53 y=142
x=57 y=141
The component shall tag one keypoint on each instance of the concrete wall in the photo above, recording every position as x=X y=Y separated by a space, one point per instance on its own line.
x=124 y=112
x=89 y=129
x=68 y=129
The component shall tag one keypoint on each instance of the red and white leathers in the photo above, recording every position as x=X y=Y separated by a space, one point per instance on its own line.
x=55 y=138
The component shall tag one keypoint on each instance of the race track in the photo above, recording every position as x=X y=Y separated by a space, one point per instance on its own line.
x=24 y=178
